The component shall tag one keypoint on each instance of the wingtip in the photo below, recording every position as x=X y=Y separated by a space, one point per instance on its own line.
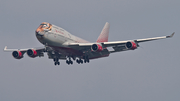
x=171 y=35
x=5 y=48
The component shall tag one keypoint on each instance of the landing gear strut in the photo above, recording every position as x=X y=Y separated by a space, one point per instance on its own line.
x=56 y=61
x=86 y=59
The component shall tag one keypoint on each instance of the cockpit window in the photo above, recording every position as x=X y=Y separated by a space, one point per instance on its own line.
x=43 y=25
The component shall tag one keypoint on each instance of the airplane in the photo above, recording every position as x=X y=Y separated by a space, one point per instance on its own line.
x=59 y=44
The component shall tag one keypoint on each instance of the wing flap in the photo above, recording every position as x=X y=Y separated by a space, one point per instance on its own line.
x=114 y=43
x=80 y=44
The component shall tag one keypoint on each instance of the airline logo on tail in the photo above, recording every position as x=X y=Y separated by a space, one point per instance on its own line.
x=103 y=37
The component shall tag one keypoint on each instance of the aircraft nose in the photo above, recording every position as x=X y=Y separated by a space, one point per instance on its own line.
x=39 y=33
x=36 y=32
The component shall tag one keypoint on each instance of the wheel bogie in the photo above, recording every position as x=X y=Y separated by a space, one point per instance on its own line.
x=85 y=59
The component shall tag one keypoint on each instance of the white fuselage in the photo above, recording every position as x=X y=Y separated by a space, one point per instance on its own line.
x=58 y=37
x=59 y=40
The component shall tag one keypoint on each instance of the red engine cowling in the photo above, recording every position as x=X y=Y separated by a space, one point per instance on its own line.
x=17 y=54
x=131 y=45
x=96 y=48
x=32 y=53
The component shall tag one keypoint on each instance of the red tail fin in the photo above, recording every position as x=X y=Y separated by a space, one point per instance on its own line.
x=103 y=37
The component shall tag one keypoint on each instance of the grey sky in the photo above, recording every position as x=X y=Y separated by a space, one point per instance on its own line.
x=150 y=73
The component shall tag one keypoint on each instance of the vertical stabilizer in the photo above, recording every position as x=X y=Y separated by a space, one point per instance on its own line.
x=103 y=37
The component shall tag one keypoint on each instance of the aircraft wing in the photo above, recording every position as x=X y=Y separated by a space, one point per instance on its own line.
x=116 y=45
x=109 y=44
x=32 y=52
x=23 y=50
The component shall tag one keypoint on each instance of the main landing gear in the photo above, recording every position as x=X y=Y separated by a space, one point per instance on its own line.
x=85 y=59
x=68 y=61
x=80 y=61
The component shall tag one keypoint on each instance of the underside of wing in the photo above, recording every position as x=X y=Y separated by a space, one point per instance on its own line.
x=130 y=44
x=31 y=52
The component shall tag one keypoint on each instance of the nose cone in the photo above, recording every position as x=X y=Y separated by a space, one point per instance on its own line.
x=42 y=28
x=39 y=33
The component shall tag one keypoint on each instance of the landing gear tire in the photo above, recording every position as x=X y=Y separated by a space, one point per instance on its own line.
x=78 y=61
x=81 y=61
x=69 y=62
x=56 y=63
x=86 y=59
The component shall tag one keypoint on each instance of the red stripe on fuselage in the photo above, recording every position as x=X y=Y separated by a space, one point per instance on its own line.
x=72 y=52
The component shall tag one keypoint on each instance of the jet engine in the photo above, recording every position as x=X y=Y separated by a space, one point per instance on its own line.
x=32 y=53
x=17 y=54
x=131 y=45
x=96 y=48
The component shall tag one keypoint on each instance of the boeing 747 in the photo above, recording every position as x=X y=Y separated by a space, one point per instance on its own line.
x=60 y=44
